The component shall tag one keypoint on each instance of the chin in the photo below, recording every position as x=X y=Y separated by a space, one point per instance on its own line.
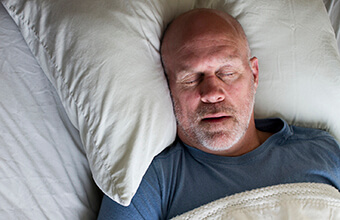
x=220 y=142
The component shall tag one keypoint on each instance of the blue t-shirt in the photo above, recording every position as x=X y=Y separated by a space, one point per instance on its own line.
x=182 y=178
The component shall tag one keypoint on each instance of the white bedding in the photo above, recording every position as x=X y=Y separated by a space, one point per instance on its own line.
x=44 y=173
x=287 y=201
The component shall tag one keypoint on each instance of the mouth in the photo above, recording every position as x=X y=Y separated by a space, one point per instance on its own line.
x=214 y=118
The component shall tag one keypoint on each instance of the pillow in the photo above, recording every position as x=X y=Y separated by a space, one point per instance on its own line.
x=103 y=59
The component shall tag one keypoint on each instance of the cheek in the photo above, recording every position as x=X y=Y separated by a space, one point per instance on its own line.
x=185 y=102
x=242 y=92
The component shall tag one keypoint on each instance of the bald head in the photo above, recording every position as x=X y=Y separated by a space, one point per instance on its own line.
x=212 y=81
x=200 y=26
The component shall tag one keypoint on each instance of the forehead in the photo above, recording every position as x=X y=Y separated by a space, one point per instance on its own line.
x=200 y=34
x=200 y=55
x=212 y=56
x=199 y=38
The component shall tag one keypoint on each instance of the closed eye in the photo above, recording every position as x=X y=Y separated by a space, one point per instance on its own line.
x=226 y=75
x=228 y=71
x=192 y=78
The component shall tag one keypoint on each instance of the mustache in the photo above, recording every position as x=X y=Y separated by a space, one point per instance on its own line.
x=205 y=109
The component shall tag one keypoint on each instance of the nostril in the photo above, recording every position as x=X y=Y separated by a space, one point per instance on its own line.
x=213 y=97
x=220 y=98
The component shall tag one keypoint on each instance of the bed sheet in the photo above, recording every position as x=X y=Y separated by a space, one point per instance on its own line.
x=44 y=173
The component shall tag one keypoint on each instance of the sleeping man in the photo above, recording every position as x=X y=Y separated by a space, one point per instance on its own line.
x=221 y=149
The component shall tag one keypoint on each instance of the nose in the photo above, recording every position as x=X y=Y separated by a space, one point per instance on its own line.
x=212 y=90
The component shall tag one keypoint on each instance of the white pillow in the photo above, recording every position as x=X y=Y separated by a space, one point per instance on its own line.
x=103 y=58
x=104 y=63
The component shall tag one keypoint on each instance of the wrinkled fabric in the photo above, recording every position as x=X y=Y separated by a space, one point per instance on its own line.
x=289 y=201
x=44 y=172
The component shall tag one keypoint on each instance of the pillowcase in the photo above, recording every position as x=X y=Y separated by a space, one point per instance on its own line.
x=103 y=59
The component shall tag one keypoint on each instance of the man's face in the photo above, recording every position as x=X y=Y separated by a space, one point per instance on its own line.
x=213 y=84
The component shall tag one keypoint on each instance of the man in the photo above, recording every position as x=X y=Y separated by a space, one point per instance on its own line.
x=221 y=149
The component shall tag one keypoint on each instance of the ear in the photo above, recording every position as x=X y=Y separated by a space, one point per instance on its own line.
x=254 y=65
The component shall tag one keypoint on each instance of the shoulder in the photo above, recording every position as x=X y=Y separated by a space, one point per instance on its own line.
x=176 y=149
x=169 y=160
x=168 y=166
x=299 y=139
x=313 y=139
x=311 y=134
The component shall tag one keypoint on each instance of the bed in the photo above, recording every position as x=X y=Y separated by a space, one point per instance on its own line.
x=84 y=104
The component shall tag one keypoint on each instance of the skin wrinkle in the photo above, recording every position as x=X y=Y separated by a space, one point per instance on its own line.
x=213 y=82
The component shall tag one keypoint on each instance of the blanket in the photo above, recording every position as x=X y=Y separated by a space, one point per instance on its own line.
x=286 y=201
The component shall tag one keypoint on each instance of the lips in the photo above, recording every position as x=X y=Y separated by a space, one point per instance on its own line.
x=217 y=117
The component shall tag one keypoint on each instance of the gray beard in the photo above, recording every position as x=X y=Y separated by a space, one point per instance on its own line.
x=225 y=139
